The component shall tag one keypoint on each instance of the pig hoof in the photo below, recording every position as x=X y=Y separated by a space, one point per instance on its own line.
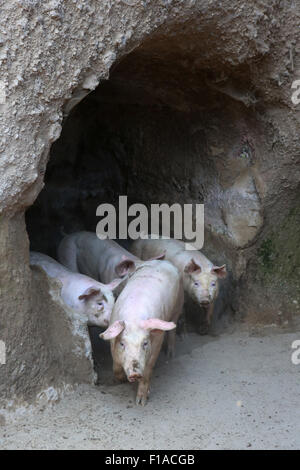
x=170 y=353
x=141 y=400
x=204 y=330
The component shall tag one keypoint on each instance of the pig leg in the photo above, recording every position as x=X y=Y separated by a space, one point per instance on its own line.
x=181 y=325
x=143 y=392
x=171 y=343
x=67 y=255
x=172 y=333
x=205 y=326
x=144 y=383
x=209 y=313
x=119 y=372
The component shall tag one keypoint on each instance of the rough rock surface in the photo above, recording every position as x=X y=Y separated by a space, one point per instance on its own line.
x=47 y=345
x=221 y=73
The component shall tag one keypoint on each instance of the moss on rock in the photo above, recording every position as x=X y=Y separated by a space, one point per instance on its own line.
x=279 y=259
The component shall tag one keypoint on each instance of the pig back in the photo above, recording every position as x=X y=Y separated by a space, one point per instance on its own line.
x=52 y=267
x=152 y=291
x=177 y=252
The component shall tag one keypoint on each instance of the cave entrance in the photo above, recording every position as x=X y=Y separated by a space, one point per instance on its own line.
x=164 y=128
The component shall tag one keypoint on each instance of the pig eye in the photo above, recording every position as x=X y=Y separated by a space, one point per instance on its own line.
x=100 y=303
x=122 y=344
x=213 y=284
x=145 y=344
x=196 y=284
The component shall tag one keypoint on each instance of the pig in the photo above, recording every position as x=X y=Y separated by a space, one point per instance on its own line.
x=200 y=276
x=83 y=294
x=149 y=305
x=103 y=260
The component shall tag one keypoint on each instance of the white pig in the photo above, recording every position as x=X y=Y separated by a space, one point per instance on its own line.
x=200 y=276
x=103 y=260
x=149 y=305
x=83 y=294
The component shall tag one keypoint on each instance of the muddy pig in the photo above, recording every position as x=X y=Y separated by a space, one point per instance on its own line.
x=149 y=305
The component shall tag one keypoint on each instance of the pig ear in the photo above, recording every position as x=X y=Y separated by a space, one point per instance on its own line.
x=113 y=330
x=115 y=283
x=220 y=271
x=124 y=267
x=89 y=292
x=192 y=267
x=160 y=256
x=157 y=324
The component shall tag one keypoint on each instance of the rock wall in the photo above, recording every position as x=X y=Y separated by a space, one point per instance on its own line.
x=47 y=347
x=220 y=73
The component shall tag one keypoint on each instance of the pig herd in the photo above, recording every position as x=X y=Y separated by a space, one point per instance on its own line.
x=136 y=295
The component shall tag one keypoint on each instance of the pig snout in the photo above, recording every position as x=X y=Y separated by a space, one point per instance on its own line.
x=205 y=299
x=134 y=373
x=134 y=377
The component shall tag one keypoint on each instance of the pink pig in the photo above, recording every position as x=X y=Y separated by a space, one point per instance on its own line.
x=83 y=294
x=200 y=276
x=85 y=253
x=149 y=305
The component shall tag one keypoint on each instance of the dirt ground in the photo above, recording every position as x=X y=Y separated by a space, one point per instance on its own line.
x=239 y=390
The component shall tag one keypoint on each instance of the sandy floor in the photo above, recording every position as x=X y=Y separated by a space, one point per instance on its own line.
x=235 y=391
